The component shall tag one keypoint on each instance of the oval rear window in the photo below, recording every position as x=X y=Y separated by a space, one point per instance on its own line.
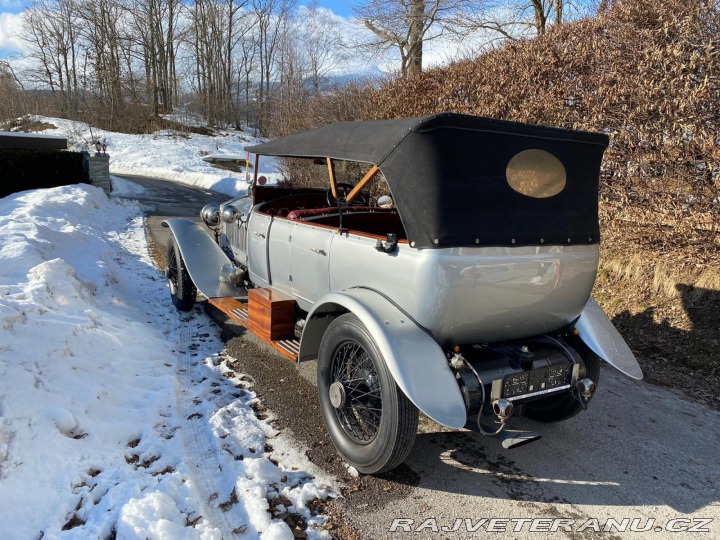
x=536 y=173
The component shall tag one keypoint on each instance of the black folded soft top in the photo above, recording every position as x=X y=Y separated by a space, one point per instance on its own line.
x=447 y=176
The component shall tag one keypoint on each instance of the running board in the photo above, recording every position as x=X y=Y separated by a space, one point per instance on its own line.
x=267 y=314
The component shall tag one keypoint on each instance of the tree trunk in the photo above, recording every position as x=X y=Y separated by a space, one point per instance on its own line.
x=415 y=37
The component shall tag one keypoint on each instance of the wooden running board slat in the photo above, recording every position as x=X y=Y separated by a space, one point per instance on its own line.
x=238 y=311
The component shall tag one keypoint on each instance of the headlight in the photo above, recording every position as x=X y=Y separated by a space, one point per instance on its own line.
x=229 y=214
x=210 y=214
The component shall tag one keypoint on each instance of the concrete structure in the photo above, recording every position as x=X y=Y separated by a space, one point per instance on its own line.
x=100 y=171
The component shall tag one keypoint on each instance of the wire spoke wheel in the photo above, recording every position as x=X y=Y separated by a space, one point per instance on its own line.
x=361 y=412
x=182 y=288
x=370 y=420
x=172 y=275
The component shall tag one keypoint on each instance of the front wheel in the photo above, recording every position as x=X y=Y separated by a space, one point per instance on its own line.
x=182 y=288
x=370 y=420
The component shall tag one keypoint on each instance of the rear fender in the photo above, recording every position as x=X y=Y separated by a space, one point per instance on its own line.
x=599 y=334
x=203 y=258
x=413 y=357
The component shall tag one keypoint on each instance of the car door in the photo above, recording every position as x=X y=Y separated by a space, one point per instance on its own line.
x=309 y=262
x=258 y=229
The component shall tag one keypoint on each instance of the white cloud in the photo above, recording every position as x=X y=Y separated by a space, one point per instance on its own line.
x=10 y=30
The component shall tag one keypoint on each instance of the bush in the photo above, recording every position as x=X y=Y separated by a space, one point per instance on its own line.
x=646 y=73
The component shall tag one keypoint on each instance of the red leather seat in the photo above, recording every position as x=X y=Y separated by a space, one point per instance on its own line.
x=311 y=212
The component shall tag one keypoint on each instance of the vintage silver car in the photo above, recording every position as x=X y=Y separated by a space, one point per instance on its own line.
x=465 y=293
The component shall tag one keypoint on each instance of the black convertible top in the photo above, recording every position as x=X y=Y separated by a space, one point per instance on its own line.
x=447 y=175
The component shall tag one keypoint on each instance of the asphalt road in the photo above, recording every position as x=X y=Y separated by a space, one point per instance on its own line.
x=641 y=455
x=162 y=199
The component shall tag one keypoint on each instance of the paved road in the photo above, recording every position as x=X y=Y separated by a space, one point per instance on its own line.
x=162 y=199
x=170 y=199
x=639 y=453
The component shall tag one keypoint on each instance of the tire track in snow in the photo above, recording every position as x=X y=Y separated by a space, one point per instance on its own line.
x=201 y=458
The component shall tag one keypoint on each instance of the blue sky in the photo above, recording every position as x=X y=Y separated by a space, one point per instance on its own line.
x=12 y=6
x=339 y=8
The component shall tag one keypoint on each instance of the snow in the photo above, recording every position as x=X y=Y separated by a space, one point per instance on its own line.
x=118 y=415
x=169 y=154
x=122 y=187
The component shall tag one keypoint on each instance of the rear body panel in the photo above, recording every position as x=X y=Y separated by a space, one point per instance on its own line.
x=460 y=295
x=473 y=295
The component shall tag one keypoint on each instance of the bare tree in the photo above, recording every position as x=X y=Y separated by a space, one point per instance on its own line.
x=321 y=42
x=245 y=68
x=405 y=25
x=271 y=17
x=222 y=39
x=52 y=37
x=155 y=28
x=101 y=30
x=11 y=93
x=515 y=19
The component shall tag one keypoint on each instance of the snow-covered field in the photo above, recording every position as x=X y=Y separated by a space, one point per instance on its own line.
x=169 y=155
x=117 y=415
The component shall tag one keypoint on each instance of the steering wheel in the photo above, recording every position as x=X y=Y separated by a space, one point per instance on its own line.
x=343 y=191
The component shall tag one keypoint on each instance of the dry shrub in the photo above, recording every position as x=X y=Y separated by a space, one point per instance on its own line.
x=647 y=73
x=343 y=103
x=290 y=114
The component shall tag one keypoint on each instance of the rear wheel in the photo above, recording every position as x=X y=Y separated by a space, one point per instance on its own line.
x=565 y=406
x=182 y=288
x=370 y=420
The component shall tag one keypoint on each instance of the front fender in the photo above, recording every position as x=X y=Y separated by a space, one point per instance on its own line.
x=413 y=357
x=203 y=258
x=599 y=333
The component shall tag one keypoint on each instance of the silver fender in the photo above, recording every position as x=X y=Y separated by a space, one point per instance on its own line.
x=414 y=358
x=599 y=333
x=203 y=258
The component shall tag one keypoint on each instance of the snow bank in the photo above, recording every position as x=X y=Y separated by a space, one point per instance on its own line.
x=169 y=155
x=107 y=411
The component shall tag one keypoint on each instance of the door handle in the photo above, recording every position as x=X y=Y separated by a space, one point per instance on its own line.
x=261 y=235
x=318 y=251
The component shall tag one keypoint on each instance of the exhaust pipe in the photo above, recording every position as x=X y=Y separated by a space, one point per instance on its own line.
x=503 y=409
x=515 y=439
x=585 y=388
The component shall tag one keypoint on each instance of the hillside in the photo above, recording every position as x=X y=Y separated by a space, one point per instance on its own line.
x=648 y=74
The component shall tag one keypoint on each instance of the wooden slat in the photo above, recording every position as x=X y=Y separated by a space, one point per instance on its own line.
x=365 y=181
x=227 y=304
x=262 y=323
x=256 y=169
x=333 y=182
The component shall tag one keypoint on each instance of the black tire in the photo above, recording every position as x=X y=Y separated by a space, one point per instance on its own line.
x=350 y=358
x=182 y=288
x=565 y=406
